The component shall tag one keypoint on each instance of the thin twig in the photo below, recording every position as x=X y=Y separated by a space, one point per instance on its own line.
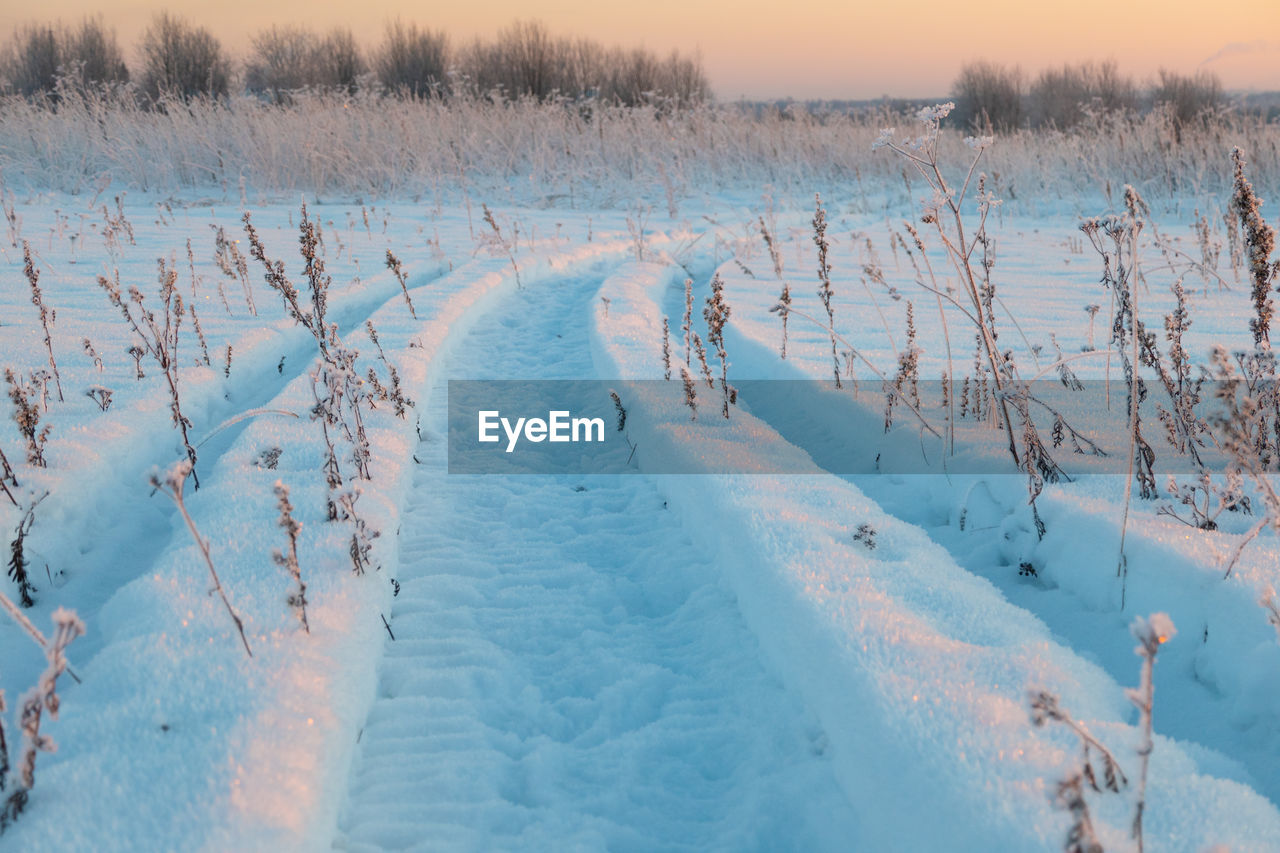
x=172 y=486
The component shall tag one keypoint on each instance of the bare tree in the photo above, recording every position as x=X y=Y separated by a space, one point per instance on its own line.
x=338 y=62
x=33 y=58
x=634 y=76
x=181 y=59
x=291 y=58
x=91 y=56
x=684 y=79
x=524 y=61
x=281 y=60
x=1061 y=97
x=989 y=95
x=1187 y=97
x=526 y=55
x=581 y=66
x=412 y=61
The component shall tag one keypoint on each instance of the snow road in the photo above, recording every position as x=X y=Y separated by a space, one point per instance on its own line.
x=568 y=669
x=576 y=666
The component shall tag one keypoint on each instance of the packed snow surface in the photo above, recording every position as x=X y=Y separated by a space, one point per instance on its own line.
x=635 y=661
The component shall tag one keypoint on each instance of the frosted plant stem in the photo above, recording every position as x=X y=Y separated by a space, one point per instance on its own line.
x=1150 y=633
x=951 y=377
x=1122 y=569
x=16 y=614
x=1111 y=312
x=174 y=482
x=1240 y=546
x=884 y=321
x=252 y=413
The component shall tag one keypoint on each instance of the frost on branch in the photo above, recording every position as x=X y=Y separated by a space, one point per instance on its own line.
x=39 y=699
x=1151 y=633
x=935 y=113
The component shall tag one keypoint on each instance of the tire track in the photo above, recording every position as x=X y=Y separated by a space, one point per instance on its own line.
x=568 y=670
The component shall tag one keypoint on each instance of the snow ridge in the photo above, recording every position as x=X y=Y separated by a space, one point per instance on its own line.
x=917 y=669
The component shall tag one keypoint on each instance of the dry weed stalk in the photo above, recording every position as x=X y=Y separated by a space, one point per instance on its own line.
x=26 y=414
x=232 y=262
x=1259 y=242
x=47 y=317
x=690 y=393
x=716 y=313
x=289 y=559
x=1150 y=633
x=159 y=338
x=17 y=552
x=41 y=699
x=8 y=480
x=393 y=264
x=666 y=348
x=972 y=270
x=191 y=306
x=825 y=293
x=172 y=486
x=508 y=247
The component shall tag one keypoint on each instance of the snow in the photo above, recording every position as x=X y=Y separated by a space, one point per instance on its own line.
x=568 y=671
x=1217 y=674
x=635 y=660
x=218 y=735
x=917 y=669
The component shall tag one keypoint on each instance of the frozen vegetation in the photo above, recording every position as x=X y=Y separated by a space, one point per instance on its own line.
x=987 y=563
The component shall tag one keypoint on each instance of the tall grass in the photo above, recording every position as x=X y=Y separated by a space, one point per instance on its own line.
x=564 y=154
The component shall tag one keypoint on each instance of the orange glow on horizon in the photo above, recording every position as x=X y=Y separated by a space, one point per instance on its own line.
x=806 y=48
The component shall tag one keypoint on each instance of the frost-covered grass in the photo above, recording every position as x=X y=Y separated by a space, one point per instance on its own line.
x=917 y=667
x=660 y=662
x=104 y=543
x=582 y=155
x=1088 y=568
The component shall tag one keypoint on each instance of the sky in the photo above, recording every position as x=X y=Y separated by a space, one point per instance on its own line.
x=798 y=48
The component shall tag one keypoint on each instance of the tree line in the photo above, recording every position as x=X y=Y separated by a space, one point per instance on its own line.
x=989 y=95
x=178 y=58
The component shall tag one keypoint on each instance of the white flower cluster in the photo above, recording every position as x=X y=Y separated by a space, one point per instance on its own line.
x=935 y=113
x=1153 y=631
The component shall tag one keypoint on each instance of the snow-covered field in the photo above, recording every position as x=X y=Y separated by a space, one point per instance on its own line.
x=823 y=659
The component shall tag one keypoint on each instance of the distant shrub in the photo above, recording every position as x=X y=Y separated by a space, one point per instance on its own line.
x=638 y=76
x=180 y=59
x=281 y=59
x=525 y=61
x=1188 y=97
x=412 y=61
x=290 y=59
x=91 y=55
x=32 y=64
x=683 y=78
x=989 y=96
x=581 y=64
x=339 y=63
x=42 y=55
x=1061 y=97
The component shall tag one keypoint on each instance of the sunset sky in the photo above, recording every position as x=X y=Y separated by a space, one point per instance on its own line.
x=802 y=48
